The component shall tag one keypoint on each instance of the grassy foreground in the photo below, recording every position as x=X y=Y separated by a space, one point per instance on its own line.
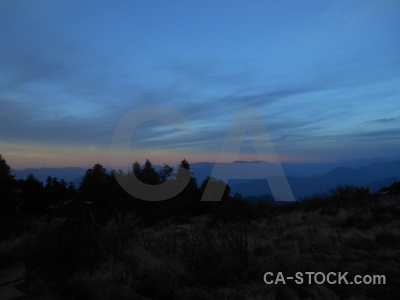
x=214 y=257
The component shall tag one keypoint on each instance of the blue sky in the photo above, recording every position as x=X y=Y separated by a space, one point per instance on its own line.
x=325 y=76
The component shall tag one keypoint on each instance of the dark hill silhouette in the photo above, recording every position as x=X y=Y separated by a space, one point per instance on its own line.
x=378 y=184
x=348 y=176
x=308 y=186
x=382 y=169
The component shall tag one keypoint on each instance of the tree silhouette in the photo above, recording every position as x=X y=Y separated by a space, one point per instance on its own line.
x=5 y=170
x=165 y=173
x=149 y=174
x=7 y=183
x=137 y=170
x=94 y=185
x=56 y=191
x=212 y=185
x=33 y=195
x=71 y=190
x=191 y=193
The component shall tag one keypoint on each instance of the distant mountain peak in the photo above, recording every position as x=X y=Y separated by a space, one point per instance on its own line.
x=249 y=162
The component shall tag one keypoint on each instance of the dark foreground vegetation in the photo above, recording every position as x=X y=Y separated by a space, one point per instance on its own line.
x=98 y=242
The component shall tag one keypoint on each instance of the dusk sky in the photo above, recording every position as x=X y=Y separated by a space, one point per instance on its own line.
x=325 y=76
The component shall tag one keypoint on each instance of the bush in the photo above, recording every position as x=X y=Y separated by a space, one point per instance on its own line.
x=349 y=195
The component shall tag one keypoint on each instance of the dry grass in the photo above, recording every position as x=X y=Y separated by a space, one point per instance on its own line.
x=227 y=260
x=11 y=250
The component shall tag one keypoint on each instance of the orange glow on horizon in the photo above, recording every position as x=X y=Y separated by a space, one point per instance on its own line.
x=21 y=156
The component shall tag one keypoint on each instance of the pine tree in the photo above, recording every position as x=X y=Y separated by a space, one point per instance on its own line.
x=7 y=183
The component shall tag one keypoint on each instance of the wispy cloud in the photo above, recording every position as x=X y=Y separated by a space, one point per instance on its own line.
x=385 y=120
x=325 y=76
